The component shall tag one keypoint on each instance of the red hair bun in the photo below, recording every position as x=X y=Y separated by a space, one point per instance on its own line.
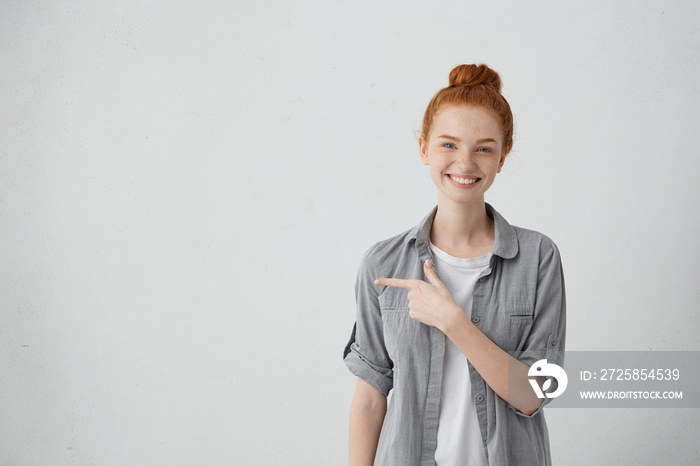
x=474 y=75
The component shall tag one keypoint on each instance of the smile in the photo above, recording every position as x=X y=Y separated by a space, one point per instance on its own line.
x=463 y=180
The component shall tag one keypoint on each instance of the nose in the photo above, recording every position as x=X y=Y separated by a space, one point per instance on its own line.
x=465 y=159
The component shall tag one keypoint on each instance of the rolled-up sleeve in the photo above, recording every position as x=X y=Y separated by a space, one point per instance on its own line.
x=548 y=333
x=365 y=354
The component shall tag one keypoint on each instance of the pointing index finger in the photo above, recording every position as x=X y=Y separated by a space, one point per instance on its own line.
x=395 y=282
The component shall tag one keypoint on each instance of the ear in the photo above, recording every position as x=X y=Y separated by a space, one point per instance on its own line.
x=500 y=164
x=423 y=145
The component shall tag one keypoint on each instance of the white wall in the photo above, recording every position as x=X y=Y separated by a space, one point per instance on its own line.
x=186 y=189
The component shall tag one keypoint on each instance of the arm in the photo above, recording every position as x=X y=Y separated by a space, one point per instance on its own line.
x=502 y=372
x=367 y=413
x=432 y=304
x=366 y=356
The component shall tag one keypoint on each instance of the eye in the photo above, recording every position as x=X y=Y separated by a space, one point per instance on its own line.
x=483 y=149
x=449 y=145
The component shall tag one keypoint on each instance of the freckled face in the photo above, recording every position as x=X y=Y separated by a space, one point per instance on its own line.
x=464 y=151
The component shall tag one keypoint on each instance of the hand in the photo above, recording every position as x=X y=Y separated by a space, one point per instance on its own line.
x=429 y=303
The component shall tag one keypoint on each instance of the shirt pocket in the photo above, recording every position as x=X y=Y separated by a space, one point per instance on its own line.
x=514 y=327
x=403 y=336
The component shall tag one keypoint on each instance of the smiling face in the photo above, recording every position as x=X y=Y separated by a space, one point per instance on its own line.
x=464 y=151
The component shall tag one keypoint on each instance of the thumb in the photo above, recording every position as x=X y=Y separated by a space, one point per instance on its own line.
x=430 y=273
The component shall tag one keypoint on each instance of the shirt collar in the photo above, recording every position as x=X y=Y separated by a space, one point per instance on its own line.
x=505 y=245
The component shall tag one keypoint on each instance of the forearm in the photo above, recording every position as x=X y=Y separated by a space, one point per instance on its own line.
x=503 y=373
x=366 y=419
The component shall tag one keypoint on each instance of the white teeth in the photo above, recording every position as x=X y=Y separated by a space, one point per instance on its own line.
x=464 y=180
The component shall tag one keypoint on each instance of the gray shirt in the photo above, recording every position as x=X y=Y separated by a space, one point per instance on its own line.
x=518 y=302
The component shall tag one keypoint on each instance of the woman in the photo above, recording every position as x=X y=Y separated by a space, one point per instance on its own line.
x=452 y=313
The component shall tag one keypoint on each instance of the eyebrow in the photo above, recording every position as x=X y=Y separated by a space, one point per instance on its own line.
x=479 y=141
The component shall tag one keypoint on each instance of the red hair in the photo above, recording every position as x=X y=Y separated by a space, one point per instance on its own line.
x=477 y=86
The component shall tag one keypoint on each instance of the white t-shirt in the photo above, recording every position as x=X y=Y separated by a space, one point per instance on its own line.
x=459 y=437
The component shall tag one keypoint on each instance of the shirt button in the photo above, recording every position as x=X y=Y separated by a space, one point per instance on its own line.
x=476 y=319
x=554 y=341
x=479 y=398
x=482 y=279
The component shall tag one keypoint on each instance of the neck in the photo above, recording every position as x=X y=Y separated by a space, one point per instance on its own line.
x=463 y=230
